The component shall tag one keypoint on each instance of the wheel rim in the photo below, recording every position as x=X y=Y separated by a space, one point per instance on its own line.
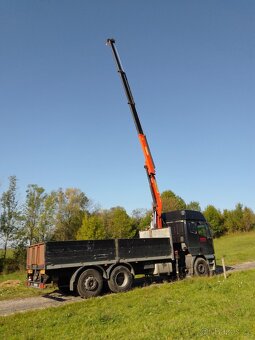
x=121 y=279
x=91 y=283
x=201 y=268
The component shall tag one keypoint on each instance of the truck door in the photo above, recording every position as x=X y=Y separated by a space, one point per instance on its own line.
x=199 y=238
x=205 y=238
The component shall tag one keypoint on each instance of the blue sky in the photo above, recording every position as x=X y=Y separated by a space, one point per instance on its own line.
x=64 y=117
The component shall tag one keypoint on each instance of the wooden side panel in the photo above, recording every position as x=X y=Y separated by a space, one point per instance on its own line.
x=36 y=256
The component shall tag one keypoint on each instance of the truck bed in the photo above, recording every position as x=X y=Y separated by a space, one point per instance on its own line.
x=64 y=254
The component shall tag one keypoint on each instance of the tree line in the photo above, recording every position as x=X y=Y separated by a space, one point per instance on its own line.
x=67 y=214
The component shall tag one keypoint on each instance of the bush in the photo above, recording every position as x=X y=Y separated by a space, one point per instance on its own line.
x=15 y=260
x=19 y=256
x=8 y=265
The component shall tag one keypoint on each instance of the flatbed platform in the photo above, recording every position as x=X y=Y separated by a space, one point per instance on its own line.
x=54 y=255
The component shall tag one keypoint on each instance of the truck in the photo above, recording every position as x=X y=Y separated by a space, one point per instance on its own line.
x=177 y=243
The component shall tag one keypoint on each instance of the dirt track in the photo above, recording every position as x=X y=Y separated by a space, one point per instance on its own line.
x=56 y=299
x=236 y=267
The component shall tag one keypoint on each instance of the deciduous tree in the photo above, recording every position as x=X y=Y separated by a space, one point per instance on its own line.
x=71 y=205
x=141 y=219
x=119 y=224
x=193 y=205
x=171 y=201
x=248 y=219
x=33 y=214
x=215 y=219
x=92 y=228
x=10 y=214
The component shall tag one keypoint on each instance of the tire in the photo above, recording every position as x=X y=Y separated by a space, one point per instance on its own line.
x=120 y=280
x=201 y=267
x=90 y=283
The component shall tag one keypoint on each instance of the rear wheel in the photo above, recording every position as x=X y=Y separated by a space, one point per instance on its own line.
x=120 y=280
x=201 y=267
x=90 y=283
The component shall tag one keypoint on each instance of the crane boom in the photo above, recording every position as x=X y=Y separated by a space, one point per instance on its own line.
x=149 y=164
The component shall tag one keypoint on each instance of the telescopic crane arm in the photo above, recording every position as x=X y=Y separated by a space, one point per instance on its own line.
x=149 y=164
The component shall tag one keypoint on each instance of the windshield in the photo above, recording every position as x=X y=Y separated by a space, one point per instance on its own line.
x=199 y=227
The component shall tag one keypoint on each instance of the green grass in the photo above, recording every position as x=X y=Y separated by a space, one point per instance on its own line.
x=236 y=248
x=21 y=291
x=211 y=308
x=18 y=290
x=13 y=276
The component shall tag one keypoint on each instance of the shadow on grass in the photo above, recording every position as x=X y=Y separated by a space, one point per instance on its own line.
x=64 y=295
x=60 y=296
x=219 y=269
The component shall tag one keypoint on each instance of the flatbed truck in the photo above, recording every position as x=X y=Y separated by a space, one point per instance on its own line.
x=179 y=243
x=182 y=247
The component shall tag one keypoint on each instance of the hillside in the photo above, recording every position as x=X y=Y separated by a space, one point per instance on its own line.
x=194 y=308
x=236 y=248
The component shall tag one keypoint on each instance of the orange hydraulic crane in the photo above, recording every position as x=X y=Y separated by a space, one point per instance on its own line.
x=149 y=164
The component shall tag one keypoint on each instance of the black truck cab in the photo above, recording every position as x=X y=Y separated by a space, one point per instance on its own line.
x=192 y=239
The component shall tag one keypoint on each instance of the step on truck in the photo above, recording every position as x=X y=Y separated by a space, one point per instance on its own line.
x=178 y=243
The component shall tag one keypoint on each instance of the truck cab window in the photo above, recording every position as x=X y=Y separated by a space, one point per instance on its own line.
x=192 y=227
x=202 y=230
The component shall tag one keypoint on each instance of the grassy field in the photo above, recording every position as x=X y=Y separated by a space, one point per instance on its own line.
x=13 y=276
x=236 y=248
x=13 y=286
x=211 y=308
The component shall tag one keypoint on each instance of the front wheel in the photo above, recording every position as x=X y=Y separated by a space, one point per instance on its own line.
x=90 y=283
x=120 y=280
x=201 y=267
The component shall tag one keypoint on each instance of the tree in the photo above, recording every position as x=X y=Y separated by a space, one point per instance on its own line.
x=10 y=214
x=33 y=212
x=171 y=201
x=112 y=223
x=239 y=219
x=141 y=219
x=119 y=224
x=248 y=219
x=71 y=205
x=215 y=219
x=237 y=215
x=47 y=218
x=92 y=228
x=234 y=219
x=228 y=220
x=193 y=206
